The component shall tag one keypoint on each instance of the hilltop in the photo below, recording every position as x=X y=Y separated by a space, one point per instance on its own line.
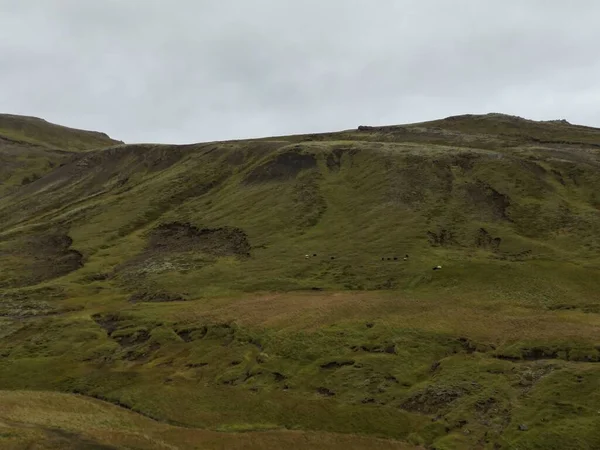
x=286 y=283
x=36 y=131
x=31 y=147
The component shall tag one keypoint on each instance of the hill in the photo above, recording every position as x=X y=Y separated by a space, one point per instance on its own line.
x=47 y=420
x=33 y=130
x=287 y=282
x=31 y=147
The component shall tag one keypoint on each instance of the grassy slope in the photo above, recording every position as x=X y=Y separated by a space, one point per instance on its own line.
x=52 y=420
x=39 y=132
x=31 y=147
x=506 y=334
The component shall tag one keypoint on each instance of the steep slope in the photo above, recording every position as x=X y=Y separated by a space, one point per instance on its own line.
x=288 y=281
x=31 y=147
x=290 y=197
x=37 y=131
x=45 y=420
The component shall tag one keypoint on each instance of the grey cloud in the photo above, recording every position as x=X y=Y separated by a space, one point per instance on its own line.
x=189 y=70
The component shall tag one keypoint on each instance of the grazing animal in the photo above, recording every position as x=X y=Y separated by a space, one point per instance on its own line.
x=437 y=268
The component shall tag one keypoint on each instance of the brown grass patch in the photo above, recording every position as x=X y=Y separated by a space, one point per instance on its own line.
x=496 y=322
x=41 y=419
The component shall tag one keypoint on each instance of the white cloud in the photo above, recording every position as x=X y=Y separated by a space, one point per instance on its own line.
x=192 y=70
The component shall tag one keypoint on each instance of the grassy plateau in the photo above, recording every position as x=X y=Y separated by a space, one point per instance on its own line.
x=280 y=292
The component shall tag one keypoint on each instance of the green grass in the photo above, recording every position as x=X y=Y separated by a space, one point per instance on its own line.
x=31 y=130
x=47 y=420
x=499 y=348
x=31 y=148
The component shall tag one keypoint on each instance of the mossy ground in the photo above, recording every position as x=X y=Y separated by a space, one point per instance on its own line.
x=192 y=302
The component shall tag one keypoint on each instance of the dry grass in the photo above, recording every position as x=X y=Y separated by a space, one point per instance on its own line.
x=40 y=420
x=494 y=322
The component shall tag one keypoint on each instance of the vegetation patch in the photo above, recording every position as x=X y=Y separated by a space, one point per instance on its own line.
x=433 y=399
x=37 y=258
x=34 y=302
x=147 y=296
x=282 y=167
x=287 y=284
x=181 y=237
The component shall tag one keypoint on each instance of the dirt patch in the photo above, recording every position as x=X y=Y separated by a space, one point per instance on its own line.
x=375 y=348
x=196 y=365
x=558 y=177
x=108 y=322
x=485 y=240
x=469 y=346
x=221 y=331
x=432 y=399
x=236 y=380
x=40 y=294
x=529 y=374
x=443 y=238
x=39 y=302
x=325 y=392
x=337 y=364
x=182 y=237
x=141 y=354
x=485 y=198
x=485 y=406
x=128 y=338
x=169 y=248
x=279 y=377
x=492 y=413
x=334 y=159
x=155 y=297
x=100 y=276
x=185 y=335
x=217 y=331
x=391 y=379
x=533 y=167
x=39 y=258
x=282 y=167
x=541 y=352
x=189 y=335
x=466 y=161
x=123 y=331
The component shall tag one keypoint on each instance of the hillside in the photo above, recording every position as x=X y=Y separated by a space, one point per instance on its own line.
x=286 y=283
x=36 y=131
x=31 y=147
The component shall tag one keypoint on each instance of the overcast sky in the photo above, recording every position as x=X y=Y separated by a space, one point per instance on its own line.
x=182 y=71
